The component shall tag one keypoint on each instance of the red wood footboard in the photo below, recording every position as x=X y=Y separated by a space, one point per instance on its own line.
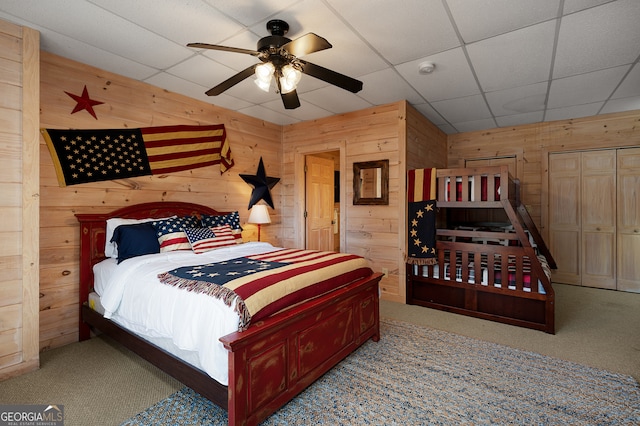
x=278 y=358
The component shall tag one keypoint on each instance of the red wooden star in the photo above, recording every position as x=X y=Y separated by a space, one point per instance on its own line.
x=84 y=102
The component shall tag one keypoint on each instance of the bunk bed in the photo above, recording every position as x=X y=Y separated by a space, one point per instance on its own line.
x=267 y=363
x=490 y=260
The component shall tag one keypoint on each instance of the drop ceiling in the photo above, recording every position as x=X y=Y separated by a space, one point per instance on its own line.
x=497 y=62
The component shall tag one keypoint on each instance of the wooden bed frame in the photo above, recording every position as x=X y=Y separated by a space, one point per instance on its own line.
x=269 y=363
x=520 y=307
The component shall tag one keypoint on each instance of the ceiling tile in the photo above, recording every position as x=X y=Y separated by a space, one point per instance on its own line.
x=386 y=86
x=472 y=126
x=585 y=88
x=623 y=104
x=336 y=100
x=520 y=119
x=571 y=6
x=574 y=111
x=452 y=77
x=600 y=37
x=200 y=70
x=307 y=110
x=197 y=23
x=516 y=100
x=77 y=20
x=84 y=53
x=630 y=86
x=514 y=59
x=460 y=110
x=480 y=19
x=249 y=12
x=267 y=114
x=388 y=27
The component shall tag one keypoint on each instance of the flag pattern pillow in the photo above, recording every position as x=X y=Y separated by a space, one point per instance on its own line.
x=171 y=235
x=232 y=219
x=205 y=239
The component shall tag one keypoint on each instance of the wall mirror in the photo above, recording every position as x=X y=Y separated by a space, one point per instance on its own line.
x=371 y=182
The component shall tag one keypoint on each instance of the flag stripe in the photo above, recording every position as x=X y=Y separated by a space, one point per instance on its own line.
x=172 y=155
x=421 y=185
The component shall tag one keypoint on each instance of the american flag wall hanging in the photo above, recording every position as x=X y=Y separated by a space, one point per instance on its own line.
x=83 y=156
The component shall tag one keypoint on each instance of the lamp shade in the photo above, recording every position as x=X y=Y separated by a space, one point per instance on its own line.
x=259 y=214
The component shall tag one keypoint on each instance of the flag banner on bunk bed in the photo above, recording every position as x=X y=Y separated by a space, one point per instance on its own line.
x=421 y=226
x=83 y=156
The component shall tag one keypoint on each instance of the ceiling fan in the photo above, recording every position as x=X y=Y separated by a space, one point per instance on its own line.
x=280 y=58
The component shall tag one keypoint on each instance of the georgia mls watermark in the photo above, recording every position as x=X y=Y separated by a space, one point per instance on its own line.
x=31 y=415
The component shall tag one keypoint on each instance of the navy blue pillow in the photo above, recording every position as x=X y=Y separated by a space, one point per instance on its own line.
x=135 y=240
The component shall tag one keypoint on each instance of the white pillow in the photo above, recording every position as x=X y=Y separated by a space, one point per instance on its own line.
x=111 y=249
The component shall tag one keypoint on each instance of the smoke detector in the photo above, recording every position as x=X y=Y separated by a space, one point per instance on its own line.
x=426 y=67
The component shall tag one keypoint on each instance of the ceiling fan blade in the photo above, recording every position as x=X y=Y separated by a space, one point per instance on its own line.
x=223 y=48
x=306 y=44
x=232 y=81
x=335 y=78
x=290 y=100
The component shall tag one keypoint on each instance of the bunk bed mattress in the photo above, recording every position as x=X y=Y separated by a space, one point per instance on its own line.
x=484 y=280
x=187 y=324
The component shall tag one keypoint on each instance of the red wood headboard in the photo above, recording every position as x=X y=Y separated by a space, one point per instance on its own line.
x=93 y=231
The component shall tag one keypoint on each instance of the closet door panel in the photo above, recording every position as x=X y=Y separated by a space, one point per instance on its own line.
x=564 y=216
x=628 y=246
x=598 y=218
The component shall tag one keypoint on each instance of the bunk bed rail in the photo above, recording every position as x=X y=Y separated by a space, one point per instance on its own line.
x=495 y=282
x=475 y=187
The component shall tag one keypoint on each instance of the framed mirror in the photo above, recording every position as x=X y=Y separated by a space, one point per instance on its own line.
x=371 y=182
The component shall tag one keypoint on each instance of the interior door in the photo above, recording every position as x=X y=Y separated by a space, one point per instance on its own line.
x=564 y=216
x=628 y=273
x=599 y=219
x=319 y=203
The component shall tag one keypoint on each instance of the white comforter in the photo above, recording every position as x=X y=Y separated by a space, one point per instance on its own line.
x=133 y=297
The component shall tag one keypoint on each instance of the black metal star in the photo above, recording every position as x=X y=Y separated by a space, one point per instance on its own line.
x=262 y=185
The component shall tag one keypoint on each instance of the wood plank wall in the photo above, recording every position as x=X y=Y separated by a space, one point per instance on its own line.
x=374 y=232
x=19 y=74
x=129 y=103
x=531 y=144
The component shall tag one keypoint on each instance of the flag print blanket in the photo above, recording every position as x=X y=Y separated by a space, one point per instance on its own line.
x=263 y=284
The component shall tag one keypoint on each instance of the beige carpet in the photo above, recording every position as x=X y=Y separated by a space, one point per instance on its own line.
x=101 y=384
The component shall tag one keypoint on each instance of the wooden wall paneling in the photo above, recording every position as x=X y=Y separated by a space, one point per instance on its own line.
x=19 y=112
x=367 y=135
x=375 y=232
x=130 y=104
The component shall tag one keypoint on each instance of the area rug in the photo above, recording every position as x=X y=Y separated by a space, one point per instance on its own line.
x=420 y=376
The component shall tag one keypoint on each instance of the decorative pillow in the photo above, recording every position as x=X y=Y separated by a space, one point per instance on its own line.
x=135 y=240
x=110 y=248
x=232 y=219
x=207 y=239
x=171 y=234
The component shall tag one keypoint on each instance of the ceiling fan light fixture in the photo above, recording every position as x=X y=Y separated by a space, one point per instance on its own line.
x=289 y=79
x=264 y=72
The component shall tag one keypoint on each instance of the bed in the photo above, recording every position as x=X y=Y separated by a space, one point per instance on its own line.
x=491 y=262
x=269 y=360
